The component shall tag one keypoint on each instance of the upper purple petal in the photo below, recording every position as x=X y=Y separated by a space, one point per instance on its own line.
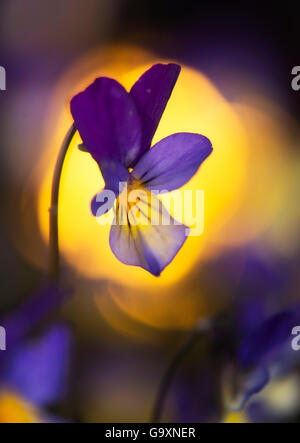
x=108 y=122
x=172 y=161
x=151 y=94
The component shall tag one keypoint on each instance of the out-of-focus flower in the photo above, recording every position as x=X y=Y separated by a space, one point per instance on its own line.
x=117 y=128
x=267 y=352
x=265 y=313
x=33 y=375
x=252 y=346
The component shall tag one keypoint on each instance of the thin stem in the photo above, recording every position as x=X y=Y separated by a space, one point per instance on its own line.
x=165 y=383
x=53 y=211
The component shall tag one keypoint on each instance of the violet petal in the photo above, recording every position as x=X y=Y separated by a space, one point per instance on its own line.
x=37 y=370
x=151 y=94
x=151 y=246
x=108 y=122
x=113 y=174
x=172 y=161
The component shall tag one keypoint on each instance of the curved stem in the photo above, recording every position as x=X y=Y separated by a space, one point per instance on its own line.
x=53 y=211
x=165 y=383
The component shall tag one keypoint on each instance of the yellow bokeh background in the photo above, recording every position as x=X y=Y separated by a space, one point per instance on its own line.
x=246 y=181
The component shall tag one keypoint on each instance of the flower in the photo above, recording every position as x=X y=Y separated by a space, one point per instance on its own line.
x=267 y=351
x=117 y=129
x=33 y=375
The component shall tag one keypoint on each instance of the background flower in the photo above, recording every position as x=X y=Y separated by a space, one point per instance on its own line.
x=33 y=375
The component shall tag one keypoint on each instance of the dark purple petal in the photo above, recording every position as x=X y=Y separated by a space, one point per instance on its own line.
x=108 y=122
x=172 y=161
x=38 y=370
x=269 y=339
x=151 y=94
x=251 y=314
x=150 y=246
x=113 y=174
x=98 y=201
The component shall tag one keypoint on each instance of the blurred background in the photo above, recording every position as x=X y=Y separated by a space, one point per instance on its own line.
x=123 y=324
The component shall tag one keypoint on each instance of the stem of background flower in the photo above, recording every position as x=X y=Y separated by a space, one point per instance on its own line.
x=53 y=211
x=201 y=329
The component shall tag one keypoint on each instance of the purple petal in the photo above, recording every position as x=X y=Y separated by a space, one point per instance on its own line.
x=268 y=339
x=250 y=315
x=172 y=161
x=151 y=94
x=150 y=246
x=113 y=174
x=255 y=382
x=38 y=370
x=108 y=122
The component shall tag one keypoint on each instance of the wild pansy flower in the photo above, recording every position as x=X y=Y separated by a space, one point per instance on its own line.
x=266 y=352
x=33 y=376
x=33 y=373
x=117 y=128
